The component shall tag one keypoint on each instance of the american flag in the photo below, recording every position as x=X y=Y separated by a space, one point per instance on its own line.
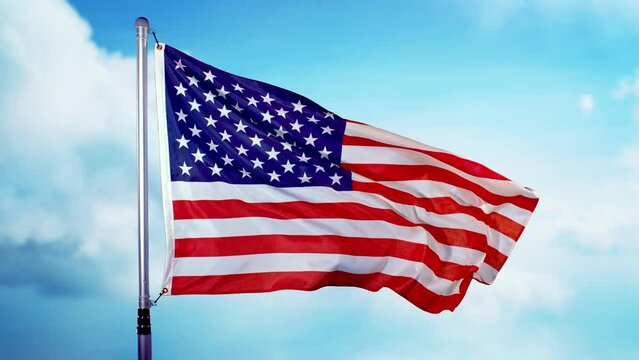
x=266 y=190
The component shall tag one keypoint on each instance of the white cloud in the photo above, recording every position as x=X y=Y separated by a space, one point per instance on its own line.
x=608 y=14
x=628 y=88
x=629 y=158
x=62 y=86
x=19 y=213
x=518 y=290
x=587 y=103
x=68 y=138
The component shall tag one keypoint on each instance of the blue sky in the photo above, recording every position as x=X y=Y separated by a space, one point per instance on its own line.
x=546 y=93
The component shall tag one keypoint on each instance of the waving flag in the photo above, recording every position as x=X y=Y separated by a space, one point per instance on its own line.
x=266 y=190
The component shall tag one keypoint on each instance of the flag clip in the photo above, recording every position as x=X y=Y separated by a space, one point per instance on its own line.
x=157 y=43
x=155 y=302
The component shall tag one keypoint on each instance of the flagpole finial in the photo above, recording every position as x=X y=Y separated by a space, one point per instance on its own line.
x=142 y=21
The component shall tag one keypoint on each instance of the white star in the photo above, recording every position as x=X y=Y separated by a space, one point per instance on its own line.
x=179 y=65
x=215 y=170
x=288 y=167
x=327 y=130
x=225 y=136
x=181 y=115
x=256 y=140
x=237 y=87
x=241 y=150
x=237 y=107
x=319 y=168
x=195 y=131
x=212 y=146
x=335 y=179
x=227 y=160
x=267 y=99
x=208 y=75
x=329 y=115
x=303 y=158
x=224 y=112
x=186 y=170
x=310 y=140
x=324 y=153
x=312 y=119
x=305 y=178
x=195 y=105
x=245 y=173
x=209 y=96
x=298 y=106
x=280 y=132
x=193 y=81
x=181 y=90
x=199 y=156
x=257 y=163
x=272 y=154
x=222 y=92
x=266 y=116
x=210 y=121
x=240 y=127
x=251 y=101
x=287 y=146
x=296 y=126
x=183 y=142
x=281 y=112
x=274 y=176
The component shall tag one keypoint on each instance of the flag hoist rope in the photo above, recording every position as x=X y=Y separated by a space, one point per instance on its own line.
x=144 y=303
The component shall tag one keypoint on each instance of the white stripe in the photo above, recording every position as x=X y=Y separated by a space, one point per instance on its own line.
x=247 y=226
x=320 y=194
x=394 y=156
x=245 y=264
x=373 y=133
x=486 y=273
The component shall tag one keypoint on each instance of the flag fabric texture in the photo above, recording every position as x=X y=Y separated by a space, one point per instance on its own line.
x=266 y=190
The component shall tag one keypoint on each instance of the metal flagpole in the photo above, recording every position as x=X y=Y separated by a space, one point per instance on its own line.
x=144 y=304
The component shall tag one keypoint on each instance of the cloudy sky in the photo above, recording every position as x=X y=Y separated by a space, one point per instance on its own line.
x=545 y=92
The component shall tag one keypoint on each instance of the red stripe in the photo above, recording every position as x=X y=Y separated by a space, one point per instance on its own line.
x=224 y=209
x=323 y=244
x=468 y=166
x=408 y=288
x=444 y=205
x=383 y=172
x=494 y=258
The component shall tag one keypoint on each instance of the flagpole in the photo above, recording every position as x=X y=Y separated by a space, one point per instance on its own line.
x=144 y=304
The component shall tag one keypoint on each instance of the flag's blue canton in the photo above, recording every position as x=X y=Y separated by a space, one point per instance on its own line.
x=223 y=127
